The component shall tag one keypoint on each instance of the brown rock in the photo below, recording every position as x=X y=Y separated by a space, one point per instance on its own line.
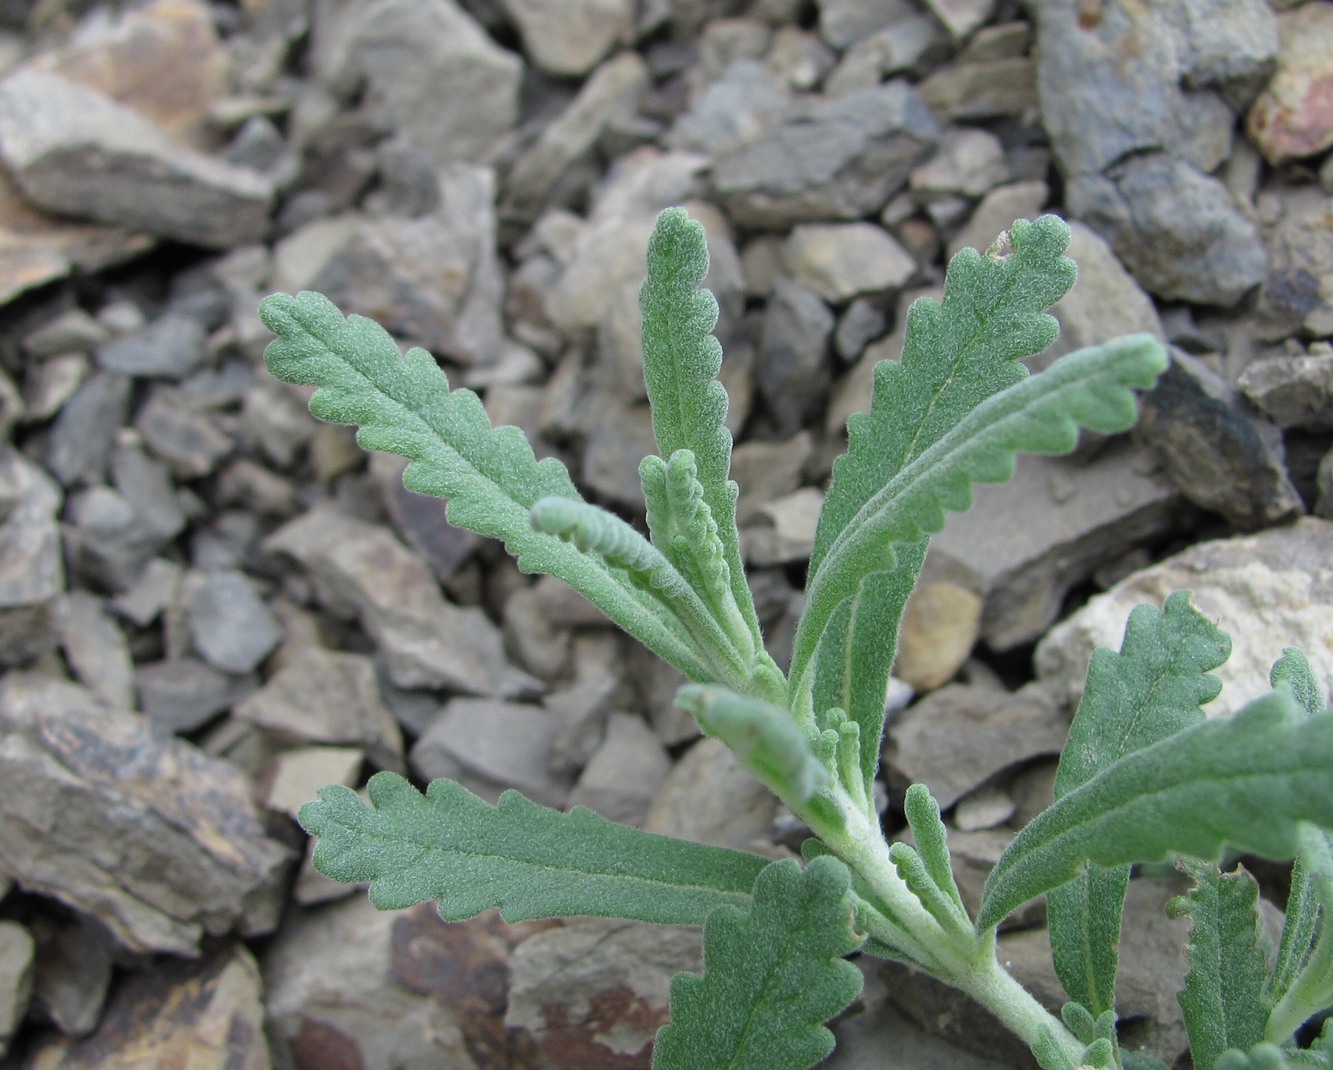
x=940 y=626
x=1293 y=117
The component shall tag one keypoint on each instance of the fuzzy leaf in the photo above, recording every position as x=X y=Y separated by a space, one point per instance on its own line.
x=764 y=738
x=1223 y=1000
x=525 y=859
x=955 y=355
x=1151 y=689
x=1246 y=781
x=1040 y=414
x=403 y=405
x=927 y=869
x=1271 y=1057
x=681 y=359
x=772 y=975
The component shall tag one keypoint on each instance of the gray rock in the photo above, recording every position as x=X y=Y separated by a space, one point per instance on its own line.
x=319 y=696
x=793 y=373
x=985 y=89
x=294 y=777
x=203 y=1012
x=74 y=151
x=73 y=973
x=970 y=162
x=624 y=774
x=73 y=331
x=997 y=212
x=861 y=322
x=1267 y=591
x=612 y=93
x=231 y=626
x=155 y=839
x=985 y=808
x=844 y=22
x=83 y=431
x=540 y=646
x=595 y=991
x=153 y=590
x=907 y=46
x=957 y=738
x=276 y=419
x=489 y=747
x=189 y=440
x=183 y=694
x=1220 y=457
x=580 y=710
x=424 y=67
x=32 y=575
x=732 y=110
x=784 y=529
x=107 y=542
x=170 y=347
x=16 y=973
x=962 y=17
x=1223 y=45
x=433 y=280
x=709 y=798
x=52 y=382
x=571 y=38
x=616 y=437
x=1175 y=228
x=1024 y=544
x=838 y=261
x=96 y=649
x=146 y=485
x=1293 y=391
x=832 y=159
x=1298 y=294
x=768 y=470
x=363 y=572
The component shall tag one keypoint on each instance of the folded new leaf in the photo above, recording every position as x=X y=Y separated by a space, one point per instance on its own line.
x=403 y=405
x=773 y=973
x=1246 y=781
x=527 y=860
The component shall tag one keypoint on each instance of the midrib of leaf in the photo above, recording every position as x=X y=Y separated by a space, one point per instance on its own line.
x=475 y=482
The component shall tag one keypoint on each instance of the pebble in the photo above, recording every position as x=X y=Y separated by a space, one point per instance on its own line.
x=624 y=774
x=569 y=39
x=16 y=974
x=1292 y=391
x=1297 y=297
x=297 y=775
x=798 y=327
x=838 y=261
x=183 y=694
x=231 y=626
x=170 y=347
x=1293 y=117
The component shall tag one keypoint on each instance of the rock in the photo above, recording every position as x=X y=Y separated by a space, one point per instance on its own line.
x=789 y=535
x=1175 y=228
x=153 y=590
x=593 y=993
x=1292 y=118
x=540 y=645
x=970 y=162
x=32 y=576
x=1298 y=293
x=841 y=158
x=51 y=383
x=612 y=93
x=709 y=798
x=319 y=696
x=940 y=626
x=840 y=260
x=16 y=972
x=230 y=625
x=1115 y=85
x=962 y=17
x=732 y=110
x=191 y=441
x=206 y=1014
x=96 y=649
x=986 y=89
x=800 y=57
x=861 y=322
x=432 y=279
x=170 y=347
x=72 y=331
x=277 y=421
x=908 y=45
x=1104 y=304
x=1222 y=45
x=1267 y=591
x=624 y=774
x=844 y=22
x=571 y=38
x=424 y=67
x=489 y=747
x=1219 y=456
x=182 y=695
x=74 y=151
x=73 y=973
x=363 y=572
x=766 y=471
x=793 y=371
x=1292 y=391
x=81 y=436
x=984 y=808
x=1023 y=545
x=296 y=776
x=200 y=860
x=580 y=710
x=955 y=739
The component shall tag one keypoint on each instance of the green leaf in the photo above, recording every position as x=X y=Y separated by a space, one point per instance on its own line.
x=1151 y=689
x=1040 y=414
x=1136 y=1060
x=681 y=359
x=1223 y=1000
x=763 y=737
x=525 y=859
x=956 y=355
x=403 y=405
x=927 y=870
x=772 y=975
x=1245 y=781
x=1271 y=1057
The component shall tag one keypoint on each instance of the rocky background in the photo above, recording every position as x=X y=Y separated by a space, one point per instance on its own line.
x=210 y=605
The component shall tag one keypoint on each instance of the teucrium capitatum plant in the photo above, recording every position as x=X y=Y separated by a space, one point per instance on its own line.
x=1144 y=777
